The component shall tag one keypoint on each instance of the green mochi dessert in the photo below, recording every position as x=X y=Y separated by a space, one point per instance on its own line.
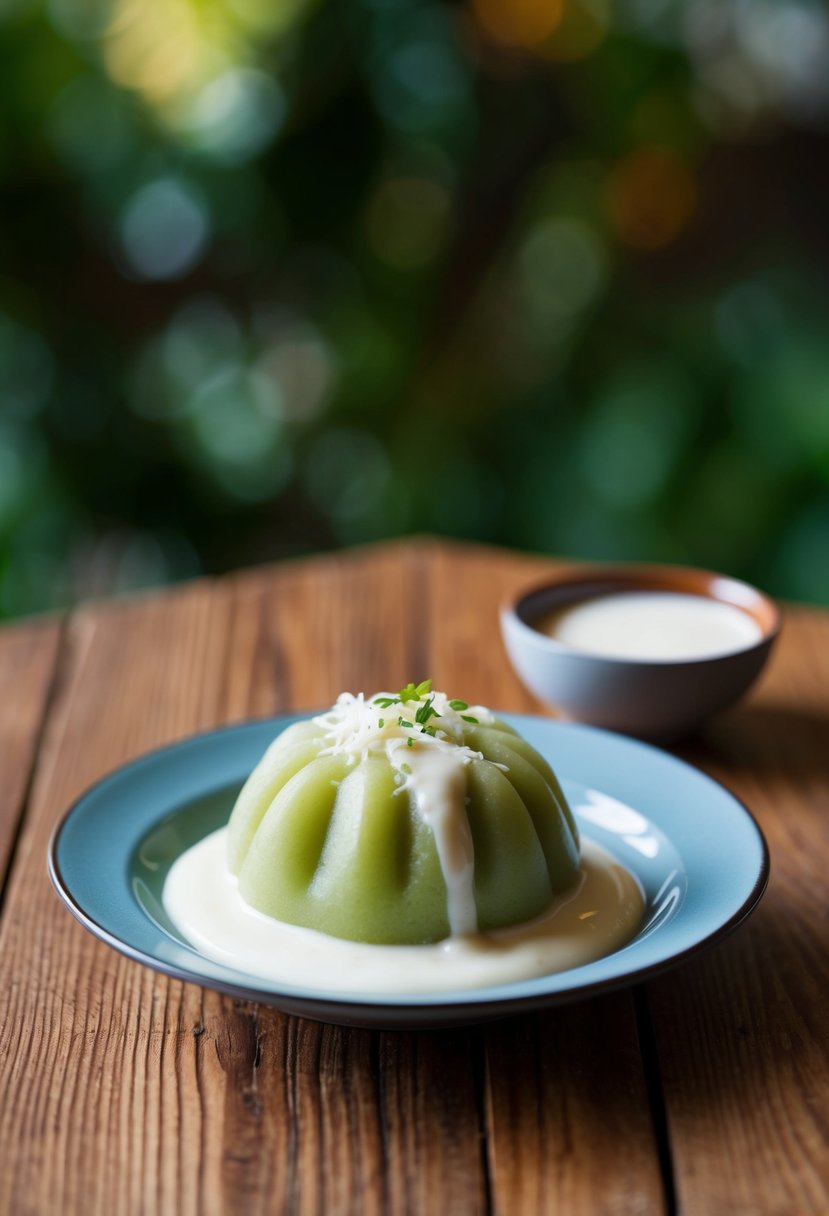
x=402 y=820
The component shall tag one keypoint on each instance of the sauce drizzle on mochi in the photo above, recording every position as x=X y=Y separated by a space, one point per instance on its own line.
x=428 y=765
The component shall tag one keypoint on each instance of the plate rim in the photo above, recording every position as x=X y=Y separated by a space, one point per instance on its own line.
x=401 y=1010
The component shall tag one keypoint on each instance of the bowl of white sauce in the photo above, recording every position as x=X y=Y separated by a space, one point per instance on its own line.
x=648 y=650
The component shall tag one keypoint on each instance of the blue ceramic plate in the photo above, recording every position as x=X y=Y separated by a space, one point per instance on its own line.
x=699 y=855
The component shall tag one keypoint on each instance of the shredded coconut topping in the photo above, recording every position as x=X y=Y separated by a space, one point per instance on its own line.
x=358 y=728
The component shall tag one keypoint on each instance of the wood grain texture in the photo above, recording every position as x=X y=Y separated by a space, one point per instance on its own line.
x=382 y=1122
x=744 y=1030
x=126 y=1092
x=569 y=1125
x=101 y=1108
x=28 y=655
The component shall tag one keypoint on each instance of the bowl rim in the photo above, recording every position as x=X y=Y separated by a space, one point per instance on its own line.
x=589 y=579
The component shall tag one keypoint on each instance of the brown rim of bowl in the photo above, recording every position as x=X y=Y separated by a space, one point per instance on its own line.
x=585 y=582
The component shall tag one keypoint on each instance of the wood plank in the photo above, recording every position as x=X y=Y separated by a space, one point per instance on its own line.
x=385 y=1122
x=568 y=1120
x=28 y=654
x=744 y=1030
x=568 y=1115
x=102 y=1109
x=126 y=1091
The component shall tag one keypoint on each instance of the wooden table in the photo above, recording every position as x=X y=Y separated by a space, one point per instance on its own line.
x=705 y=1091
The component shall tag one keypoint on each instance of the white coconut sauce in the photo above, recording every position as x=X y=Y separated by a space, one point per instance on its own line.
x=438 y=787
x=652 y=625
x=597 y=915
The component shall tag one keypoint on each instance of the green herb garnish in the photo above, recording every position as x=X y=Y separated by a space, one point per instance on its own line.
x=424 y=712
x=415 y=692
x=412 y=692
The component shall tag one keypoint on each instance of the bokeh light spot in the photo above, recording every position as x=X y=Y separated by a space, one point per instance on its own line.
x=651 y=196
x=563 y=266
x=235 y=424
x=425 y=70
x=229 y=420
x=164 y=229
x=419 y=77
x=202 y=337
x=236 y=115
x=155 y=47
x=519 y=23
x=301 y=364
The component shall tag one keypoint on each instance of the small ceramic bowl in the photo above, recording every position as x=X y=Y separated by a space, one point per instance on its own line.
x=658 y=699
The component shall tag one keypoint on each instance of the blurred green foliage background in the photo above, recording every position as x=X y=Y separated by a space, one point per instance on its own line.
x=278 y=276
